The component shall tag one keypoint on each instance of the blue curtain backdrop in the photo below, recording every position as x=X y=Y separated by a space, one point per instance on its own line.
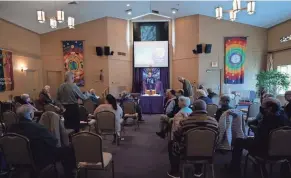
x=150 y=31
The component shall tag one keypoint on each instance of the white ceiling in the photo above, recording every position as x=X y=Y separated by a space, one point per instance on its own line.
x=268 y=13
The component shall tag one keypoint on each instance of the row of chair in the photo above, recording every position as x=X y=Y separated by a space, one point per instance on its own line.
x=18 y=154
x=203 y=153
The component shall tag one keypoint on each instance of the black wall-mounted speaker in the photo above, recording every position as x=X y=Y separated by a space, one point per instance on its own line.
x=208 y=48
x=199 y=48
x=99 y=51
x=106 y=50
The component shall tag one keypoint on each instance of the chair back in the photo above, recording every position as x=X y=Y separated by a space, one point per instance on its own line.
x=253 y=110
x=38 y=105
x=9 y=118
x=89 y=105
x=207 y=139
x=83 y=113
x=50 y=107
x=88 y=147
x=129 y=107
x=105 y=121
x=52 y=122
x=280 y=142
x=211 y=110
x=17 y=105
x=16 y=149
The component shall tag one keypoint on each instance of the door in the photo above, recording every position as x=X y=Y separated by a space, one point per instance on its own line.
x=31 y=86
x=54 y=80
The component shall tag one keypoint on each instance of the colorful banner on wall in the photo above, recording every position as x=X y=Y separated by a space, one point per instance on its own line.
x=73 y=52
x=235 y=56
x=6 y=71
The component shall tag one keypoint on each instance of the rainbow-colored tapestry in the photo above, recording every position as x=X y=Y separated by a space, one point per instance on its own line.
x=235 y=56
x=6 y=71
x=73 y=52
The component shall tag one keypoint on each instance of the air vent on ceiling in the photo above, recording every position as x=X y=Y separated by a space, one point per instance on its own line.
x=156 y=12
x=73 y=3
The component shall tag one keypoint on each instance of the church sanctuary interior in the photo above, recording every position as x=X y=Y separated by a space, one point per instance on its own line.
x=145 y=89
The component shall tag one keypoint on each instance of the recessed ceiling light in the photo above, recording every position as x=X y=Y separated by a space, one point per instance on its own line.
x=127 y=5
x=174 y=10
x=129 y=12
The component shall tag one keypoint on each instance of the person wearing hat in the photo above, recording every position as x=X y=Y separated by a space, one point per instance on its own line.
x=197 y=118
x=224 y=102
x=287 y=108
x=272 y=119
x=201 y=94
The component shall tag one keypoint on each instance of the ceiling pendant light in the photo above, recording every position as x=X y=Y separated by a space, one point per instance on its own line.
x=251 y=7
x=236 y=5
x=40 y=16
x=232 y=15
x=129 y=12
x=174 y=10
x=219 y=13
x=60 y=16
x=71 y=22
x=53 y=23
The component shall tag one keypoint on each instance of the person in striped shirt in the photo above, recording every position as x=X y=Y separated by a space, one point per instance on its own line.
x=176 y=147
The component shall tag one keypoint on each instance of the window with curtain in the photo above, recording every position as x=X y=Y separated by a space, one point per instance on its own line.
x=148 y=33
x=285 y=69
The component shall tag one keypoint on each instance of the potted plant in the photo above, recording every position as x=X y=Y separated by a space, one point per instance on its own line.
x=272 y=81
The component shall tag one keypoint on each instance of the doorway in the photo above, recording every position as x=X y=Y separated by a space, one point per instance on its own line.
x=54 y=80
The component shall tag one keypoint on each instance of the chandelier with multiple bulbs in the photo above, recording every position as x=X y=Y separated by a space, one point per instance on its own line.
x=236 y=7
x=60 y=18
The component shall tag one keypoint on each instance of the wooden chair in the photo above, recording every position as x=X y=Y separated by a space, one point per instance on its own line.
x=88 y=152
x=17 y=154
x=203 y=152
x=279 y=151
x=129 y=109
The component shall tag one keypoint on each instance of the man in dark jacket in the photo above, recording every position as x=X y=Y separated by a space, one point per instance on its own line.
x=224 y=102
x=171 y=108
x=272 y=118
x=42 y=142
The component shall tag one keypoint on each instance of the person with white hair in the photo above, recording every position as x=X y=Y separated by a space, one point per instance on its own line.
x=185 y=111
x=187 y=87
x=94 y=98
x=287 y=108
x=202 y=95
x=42 y=143
x=45 y=97
x=25 y=100
x=68 y=94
